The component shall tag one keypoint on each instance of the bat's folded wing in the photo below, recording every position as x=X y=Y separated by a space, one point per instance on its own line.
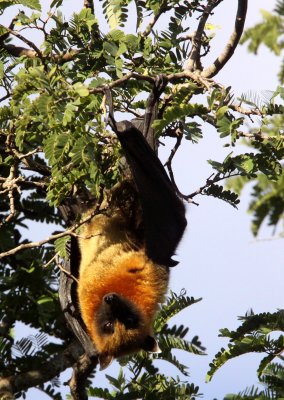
x=163 y=211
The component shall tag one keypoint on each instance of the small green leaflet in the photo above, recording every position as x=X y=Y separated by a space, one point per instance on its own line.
x=33 y=4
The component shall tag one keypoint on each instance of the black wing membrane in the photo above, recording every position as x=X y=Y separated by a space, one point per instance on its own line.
x=69 y=301
x=163 y=212
x=68 y=285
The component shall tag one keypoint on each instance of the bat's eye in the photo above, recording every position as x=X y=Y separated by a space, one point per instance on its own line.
x=109 y=327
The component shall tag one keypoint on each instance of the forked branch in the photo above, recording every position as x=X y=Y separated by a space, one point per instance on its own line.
x=194 y=62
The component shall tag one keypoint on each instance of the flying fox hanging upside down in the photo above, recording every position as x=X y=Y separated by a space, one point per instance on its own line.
x=124 y=267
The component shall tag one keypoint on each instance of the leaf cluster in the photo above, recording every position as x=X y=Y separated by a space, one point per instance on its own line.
x=257 y=333
x=268 y=32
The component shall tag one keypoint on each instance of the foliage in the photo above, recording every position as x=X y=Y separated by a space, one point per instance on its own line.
x=257 y=334
x=267 y=194
x=55 y=144
x=268 y=32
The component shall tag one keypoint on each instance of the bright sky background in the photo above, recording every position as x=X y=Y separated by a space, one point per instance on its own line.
x=220 y=260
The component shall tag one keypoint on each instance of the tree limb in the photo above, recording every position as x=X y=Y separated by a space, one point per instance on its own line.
x=25 y=40
x=81 y=371
x=232 y=44
x=26 y=159
x=194 y=76
x=10 y=186
x=246 y=111
x=47 y=371
x=194 y=62
x=151 y=24
x=18 y=51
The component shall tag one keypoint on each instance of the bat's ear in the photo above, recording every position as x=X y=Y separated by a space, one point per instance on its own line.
x=151 y=345
x=105 y=360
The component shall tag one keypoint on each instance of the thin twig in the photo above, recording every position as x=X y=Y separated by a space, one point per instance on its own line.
x=209 y=181
x=25 y=158
x=19 y=51
x=168 y=164
x=257 y=135
x=5 y=97
x=25 y=183
x=67 y=232
x=66 y=272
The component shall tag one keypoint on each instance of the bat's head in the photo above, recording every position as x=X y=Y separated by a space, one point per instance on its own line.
x=121 y=328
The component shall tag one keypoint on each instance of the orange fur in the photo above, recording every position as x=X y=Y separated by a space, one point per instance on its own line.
x=111 y=264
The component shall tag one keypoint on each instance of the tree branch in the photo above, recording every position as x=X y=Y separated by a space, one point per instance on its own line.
x=151 y=24
x=81 y=372
x=30 y=245
x=163 y=8
x=168 y=163
x=33 y=51
x=232 y=44
x=10 y=186
x=194 y=62
x=257 y=136
x=246 y=111
x=214 y=178
x=18 y=51
x=47 y=371
x=26 y=41
x=26 y=158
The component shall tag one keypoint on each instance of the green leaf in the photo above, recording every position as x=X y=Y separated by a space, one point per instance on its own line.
x=221 y=112
x=116 y=35
x=267 y=32
x=81 y=89
x=56 y=3
x=33 y=4
x=219 y=192
x=69 y=113
x=61 y=246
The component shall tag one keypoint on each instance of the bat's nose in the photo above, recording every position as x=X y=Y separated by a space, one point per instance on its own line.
x=110 y=298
